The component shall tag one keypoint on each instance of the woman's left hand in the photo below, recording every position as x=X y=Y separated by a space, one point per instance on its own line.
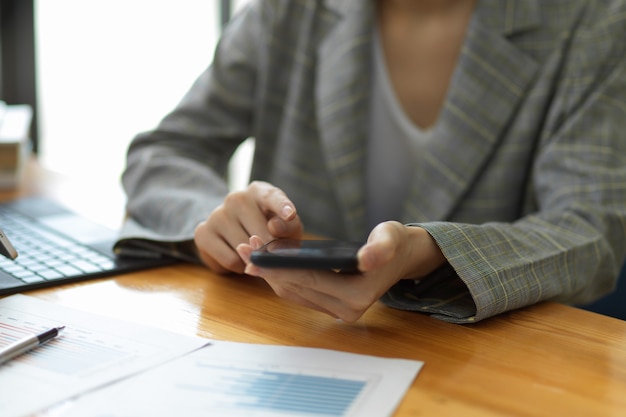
x=392 y=252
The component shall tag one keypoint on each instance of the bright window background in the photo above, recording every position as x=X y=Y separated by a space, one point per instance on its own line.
x=108 y=70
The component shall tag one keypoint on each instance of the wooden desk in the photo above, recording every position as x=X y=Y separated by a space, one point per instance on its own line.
x=547 y=360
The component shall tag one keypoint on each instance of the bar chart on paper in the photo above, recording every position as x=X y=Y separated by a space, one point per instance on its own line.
x=230 y=379
x=235 y=390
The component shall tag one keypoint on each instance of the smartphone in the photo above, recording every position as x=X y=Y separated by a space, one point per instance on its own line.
x=334 y=255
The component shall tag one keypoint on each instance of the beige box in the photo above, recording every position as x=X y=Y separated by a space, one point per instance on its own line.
x=15 y=142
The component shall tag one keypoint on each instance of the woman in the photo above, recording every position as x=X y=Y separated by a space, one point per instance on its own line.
x=476 y=146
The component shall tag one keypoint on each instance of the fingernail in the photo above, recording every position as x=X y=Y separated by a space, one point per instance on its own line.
x=287 y=211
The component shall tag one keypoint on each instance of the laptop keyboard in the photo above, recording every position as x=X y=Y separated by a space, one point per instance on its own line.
x=44 y=255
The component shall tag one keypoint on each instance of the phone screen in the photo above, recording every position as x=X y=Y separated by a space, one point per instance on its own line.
x=308 y=254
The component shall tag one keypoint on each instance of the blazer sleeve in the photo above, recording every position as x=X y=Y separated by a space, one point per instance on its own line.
x=571 y=248
x=176 y=174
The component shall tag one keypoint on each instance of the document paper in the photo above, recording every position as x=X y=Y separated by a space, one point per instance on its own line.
x=90 y=352
x=229 y=379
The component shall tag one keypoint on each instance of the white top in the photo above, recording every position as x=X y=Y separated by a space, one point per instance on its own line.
x=394 y=146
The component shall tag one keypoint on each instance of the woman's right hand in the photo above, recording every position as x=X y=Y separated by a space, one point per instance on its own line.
x=261 y=209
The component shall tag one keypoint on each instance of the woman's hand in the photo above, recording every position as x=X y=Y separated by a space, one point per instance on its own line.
x=393 y=252
x=261 y=210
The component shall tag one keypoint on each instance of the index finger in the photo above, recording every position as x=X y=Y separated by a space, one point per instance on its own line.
x=272 y=199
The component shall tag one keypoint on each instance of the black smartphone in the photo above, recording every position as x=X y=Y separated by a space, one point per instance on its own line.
x=308 y=254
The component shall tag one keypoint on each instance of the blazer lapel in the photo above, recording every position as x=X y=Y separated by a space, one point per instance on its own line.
x=342 y=97
x=489 y=82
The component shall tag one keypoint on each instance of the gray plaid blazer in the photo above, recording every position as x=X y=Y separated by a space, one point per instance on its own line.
x=524 y=188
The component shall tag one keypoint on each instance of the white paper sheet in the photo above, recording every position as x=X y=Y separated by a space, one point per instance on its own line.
x=90 y=352
x=230 y=379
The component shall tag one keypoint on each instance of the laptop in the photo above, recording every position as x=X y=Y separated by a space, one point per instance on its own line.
x=53 y=245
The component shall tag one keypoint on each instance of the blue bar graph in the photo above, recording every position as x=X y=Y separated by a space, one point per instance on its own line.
x=279 y=393
x=299 y=393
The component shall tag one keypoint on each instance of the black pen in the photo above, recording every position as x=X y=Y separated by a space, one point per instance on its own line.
x=28 y=343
